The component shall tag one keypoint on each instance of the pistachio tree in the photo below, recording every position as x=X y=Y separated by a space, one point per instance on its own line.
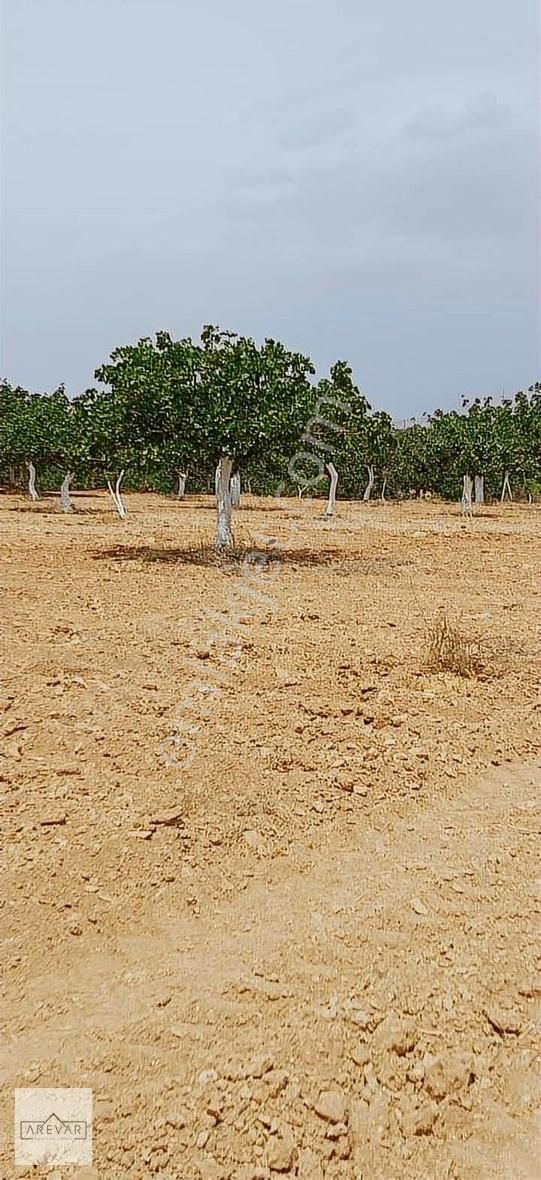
x=249 y=398
x=104 y=440
x=36 y=433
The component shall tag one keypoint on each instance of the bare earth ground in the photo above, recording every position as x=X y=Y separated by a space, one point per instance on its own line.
x=311 y=952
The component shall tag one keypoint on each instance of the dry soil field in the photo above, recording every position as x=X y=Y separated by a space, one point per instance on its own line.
x=309 y=951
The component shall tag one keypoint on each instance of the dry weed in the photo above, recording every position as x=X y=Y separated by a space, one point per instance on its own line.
x=451 y=650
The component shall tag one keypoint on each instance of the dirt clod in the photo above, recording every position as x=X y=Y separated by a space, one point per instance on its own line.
x=280 y=1152
x=309 y=1165
x=418 y=1119
x=276 y=1081
x=331 y=1106
x=259 y=1066
x=503 y=1020
x=448 y=1074
x=395 y=1036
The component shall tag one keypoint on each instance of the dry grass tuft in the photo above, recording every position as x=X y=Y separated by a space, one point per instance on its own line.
x=450 y=650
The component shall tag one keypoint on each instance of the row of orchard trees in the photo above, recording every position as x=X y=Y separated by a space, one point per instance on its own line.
x=211 y=408
x=487 y=440
x=222 y=405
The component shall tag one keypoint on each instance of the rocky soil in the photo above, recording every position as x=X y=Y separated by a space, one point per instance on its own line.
x=311 y=951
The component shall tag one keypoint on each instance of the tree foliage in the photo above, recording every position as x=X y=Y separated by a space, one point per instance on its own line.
x=165 y=405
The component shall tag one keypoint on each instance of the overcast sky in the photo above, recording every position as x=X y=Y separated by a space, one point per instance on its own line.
x=358 y=178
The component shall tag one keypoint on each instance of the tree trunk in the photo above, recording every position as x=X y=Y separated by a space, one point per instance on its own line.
x=506 y=488
x=224 y=536
x=65 y=498
x=479 y=489
x=181 y=490
x=370 y=484
x=235 y=489
x=329 y=511
x=383 y=487
x=122 y=510
x=467 y=489
x=117 y=498
x=32 y=482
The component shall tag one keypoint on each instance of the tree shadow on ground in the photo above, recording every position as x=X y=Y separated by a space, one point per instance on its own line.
x=500 y=513
x=98 y=494
x=239 y=555
x=198 y=504
x=263 y=505
x=47 y=509
x=44 y=508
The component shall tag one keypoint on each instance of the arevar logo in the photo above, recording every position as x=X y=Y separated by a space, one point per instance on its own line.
x=71 y=1129
x=53 y=1126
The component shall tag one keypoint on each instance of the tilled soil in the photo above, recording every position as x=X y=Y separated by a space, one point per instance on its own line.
x=266 y=870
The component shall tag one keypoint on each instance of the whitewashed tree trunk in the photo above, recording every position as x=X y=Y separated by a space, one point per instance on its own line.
x=329 y=511
x=112 y=494
x=122 y=510
x=467 y=490
x=32 y=482
x=117 y=498
x=181 y=490
x=235 y=489
x=370 y=484
x=384 y=485
x=65 y=498
x=479 y=489
x=506 y=488
x=224 y=535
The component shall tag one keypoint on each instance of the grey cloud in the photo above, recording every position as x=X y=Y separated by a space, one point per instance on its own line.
x=450 y=187
x=483 y=113
x=249 y=179
x=313 y=129
x=360 y=179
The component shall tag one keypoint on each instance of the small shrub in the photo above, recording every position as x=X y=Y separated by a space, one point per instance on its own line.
x=450 y=650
